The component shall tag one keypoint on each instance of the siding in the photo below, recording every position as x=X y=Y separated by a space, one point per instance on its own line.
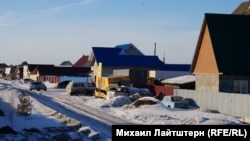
x=226 y=103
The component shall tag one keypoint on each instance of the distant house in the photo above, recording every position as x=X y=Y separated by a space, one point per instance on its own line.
x=84 y=61
x=13 y=72
x=242 y=9
x=2 y=69
x=66 y=64
x=181 y=82
x=220 y=61
x=171 y=71
x=53 y=74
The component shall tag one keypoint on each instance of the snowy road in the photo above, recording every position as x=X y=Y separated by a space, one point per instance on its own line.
x=98 y=121
x=88 y=117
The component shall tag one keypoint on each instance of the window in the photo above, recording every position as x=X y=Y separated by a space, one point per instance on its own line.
x=241 y=86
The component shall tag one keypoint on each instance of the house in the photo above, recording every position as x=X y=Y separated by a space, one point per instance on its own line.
x=181 y=82
x=2 y=69
x=53 y=74
x=126 y=58
x=242 y=9
x=220 y=61
x=170 y=71
x=13 y=72
x=84 y=61
x=66 y=64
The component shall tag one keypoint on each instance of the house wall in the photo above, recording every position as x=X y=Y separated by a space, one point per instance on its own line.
x=33 y=76
x=138 y=77
x=7 y=72
x=105 y=70
x=226 y=83
x=25 y=71
x=160 y=75
x=206 y=62
x=49 y=78
x=207 y=82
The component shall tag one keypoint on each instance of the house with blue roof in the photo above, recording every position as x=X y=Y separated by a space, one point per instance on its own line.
x=127 y=58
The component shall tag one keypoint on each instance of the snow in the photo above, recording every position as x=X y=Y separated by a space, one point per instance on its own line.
x=56 y=114
x=180 y=79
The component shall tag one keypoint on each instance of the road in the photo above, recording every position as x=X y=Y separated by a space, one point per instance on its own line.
x=88 y=116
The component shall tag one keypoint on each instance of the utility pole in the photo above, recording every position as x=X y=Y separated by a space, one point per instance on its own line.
x=155 y=50
x=164 y=57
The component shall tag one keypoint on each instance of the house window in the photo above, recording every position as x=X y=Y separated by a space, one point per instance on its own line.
x=241 y=86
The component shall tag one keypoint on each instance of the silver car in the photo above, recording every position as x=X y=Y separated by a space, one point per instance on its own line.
x=76 y=88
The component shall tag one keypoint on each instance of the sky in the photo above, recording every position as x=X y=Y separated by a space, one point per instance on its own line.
x=53 y=31
x=55 y=108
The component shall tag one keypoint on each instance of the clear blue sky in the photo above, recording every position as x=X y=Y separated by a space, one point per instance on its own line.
x=53 y=31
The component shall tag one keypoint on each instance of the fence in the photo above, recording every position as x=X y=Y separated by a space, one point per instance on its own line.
x=226 y=103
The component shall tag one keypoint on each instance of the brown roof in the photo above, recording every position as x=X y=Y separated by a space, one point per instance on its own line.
x=81 y=61
x=31 y=67
x=242 y=9
x=61 y=71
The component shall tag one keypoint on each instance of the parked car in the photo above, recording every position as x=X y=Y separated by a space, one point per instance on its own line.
x=175 y=102
x=145 y=92
x=37 y=85
x=63 y=84
x=27 y=80
x=133 y=90
x=76 y=88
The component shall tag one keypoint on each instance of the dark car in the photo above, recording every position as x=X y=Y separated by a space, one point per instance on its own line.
x=63 y=84
x=36 y=85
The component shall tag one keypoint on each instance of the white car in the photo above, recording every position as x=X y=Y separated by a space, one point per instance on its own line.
x=175 y=102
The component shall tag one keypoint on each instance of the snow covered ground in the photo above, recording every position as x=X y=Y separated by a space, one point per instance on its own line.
x=58 y=116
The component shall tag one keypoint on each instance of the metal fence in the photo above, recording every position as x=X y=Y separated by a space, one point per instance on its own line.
x=226 y=103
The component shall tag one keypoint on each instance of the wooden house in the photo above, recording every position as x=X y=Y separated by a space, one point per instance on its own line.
x=220 y=61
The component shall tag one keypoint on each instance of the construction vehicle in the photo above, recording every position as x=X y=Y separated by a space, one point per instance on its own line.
x=108 y=83
x=24 y=107
x=105 y=84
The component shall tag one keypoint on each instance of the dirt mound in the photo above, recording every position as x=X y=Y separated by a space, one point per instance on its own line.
x=143 y=102
x=7 y=130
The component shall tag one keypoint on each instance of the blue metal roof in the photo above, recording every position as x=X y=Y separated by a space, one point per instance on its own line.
x=110 y=57
x=106 y=50
x=176 y=67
